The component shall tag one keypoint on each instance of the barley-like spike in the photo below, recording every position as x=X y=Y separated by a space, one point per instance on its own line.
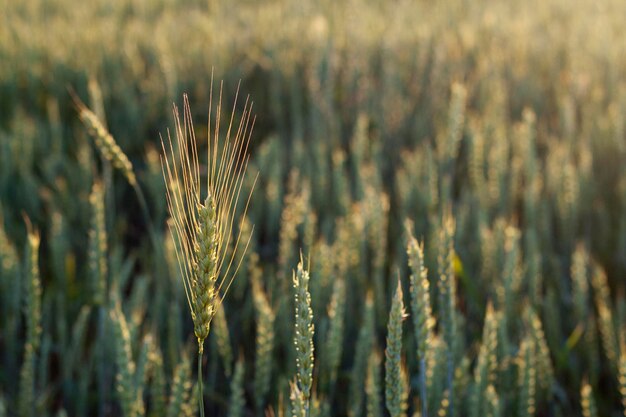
x=203 y=210
x=396 y=389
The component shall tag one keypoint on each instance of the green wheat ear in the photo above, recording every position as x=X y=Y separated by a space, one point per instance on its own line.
x=588 y=403
x=32 y=311
x=396 y=385
x=304 y=330
x=104 y=141
x=203 y=210
x=420 y=305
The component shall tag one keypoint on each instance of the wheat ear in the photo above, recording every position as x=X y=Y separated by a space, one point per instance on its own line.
x=396 y=386
x=420 y=304
x=303 y=339
x=203 y=210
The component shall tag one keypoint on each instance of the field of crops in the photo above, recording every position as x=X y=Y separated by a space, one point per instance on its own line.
x=436 y=223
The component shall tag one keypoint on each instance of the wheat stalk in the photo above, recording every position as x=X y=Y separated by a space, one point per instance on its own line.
x=203 y=210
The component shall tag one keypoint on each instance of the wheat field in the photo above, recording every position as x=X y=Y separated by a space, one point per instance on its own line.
x=312 y=209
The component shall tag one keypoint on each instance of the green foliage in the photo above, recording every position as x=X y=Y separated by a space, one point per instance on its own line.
x=497 y=129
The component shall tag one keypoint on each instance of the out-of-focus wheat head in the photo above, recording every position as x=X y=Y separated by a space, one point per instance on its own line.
x=203 y=207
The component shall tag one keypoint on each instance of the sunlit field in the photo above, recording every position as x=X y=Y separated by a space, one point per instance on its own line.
x=312 y=209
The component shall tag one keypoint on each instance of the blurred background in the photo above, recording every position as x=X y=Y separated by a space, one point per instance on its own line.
x=507 y=117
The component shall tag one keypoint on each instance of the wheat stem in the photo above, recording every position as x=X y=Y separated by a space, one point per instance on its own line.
x=200 y=389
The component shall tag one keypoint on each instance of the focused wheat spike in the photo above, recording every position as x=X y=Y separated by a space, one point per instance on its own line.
x=203 y=210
